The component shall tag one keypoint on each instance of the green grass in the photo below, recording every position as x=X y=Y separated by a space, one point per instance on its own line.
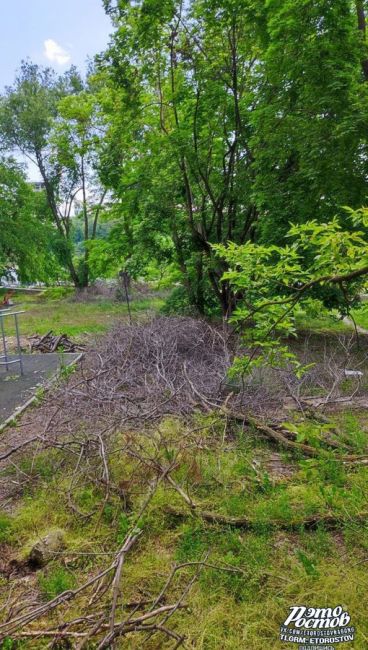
x=54 y=581
x=5 y=527
x=322 y=324
x=261 y=572
x=361 y=316
x=265 y=570
x=76 y=319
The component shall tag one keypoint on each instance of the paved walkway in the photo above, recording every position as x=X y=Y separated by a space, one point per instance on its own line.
x=38 y=368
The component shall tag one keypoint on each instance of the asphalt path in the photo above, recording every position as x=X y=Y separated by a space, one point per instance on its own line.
x=15 y=389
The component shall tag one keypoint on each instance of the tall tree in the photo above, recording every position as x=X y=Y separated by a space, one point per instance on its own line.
x=183 y=77
x=362 y=26
x=230 y=119
x=310 y=122
x=75 y=142
x=50 y=120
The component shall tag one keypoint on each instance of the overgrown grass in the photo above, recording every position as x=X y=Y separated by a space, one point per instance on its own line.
x=361 y=316
x=62 y=315
x=325 y=323
x=260 y=573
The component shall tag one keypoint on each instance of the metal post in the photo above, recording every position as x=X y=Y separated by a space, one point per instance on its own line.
x=4 y=342
x=18 y=344
x=5 y=360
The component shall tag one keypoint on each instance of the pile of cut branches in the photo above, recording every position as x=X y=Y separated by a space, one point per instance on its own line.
x=52 y=342
x=141 y=372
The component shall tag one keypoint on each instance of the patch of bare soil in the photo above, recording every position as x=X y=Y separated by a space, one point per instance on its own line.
x=25 y=343
x=278 y=468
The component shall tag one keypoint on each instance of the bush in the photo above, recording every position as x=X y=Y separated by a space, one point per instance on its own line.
x=178 y=303
x=56 y=293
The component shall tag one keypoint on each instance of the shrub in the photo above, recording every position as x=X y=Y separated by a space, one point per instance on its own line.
x=56 y=293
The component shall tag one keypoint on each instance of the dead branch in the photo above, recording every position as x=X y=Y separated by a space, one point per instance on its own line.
x=328 y=520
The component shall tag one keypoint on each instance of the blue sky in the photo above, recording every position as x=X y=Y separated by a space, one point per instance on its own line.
x=50 y=32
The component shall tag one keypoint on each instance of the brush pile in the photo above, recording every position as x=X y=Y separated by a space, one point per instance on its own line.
x=142 y=372
x=52 y=343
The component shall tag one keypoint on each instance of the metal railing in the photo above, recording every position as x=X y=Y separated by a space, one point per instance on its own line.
x=5 y=359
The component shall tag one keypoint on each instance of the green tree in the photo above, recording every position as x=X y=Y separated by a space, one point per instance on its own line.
x=75 y=141
x=180 y=81
x=50 y=120
x=228 y=120
x=273 y=283
x=27 y=243
x=310 y=121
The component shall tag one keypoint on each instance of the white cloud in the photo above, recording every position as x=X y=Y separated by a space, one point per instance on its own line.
x=55 y=53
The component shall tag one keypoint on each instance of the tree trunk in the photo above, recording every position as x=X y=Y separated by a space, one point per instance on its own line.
x=84 y=273
x=362 y=26
x=199 y=288
x=57 y=220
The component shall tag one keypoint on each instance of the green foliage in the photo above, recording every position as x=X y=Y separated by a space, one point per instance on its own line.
x=53 y=121
x=10 y=644
x=55 y=293
x=360 y=314
x=309 y=117
x=178 y=303
x=123 y=527
x=278 y=285
x=25 y=231
x=185 y=175
x=234 y=120
x=201 y=124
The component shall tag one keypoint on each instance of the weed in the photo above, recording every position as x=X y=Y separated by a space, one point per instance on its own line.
x=308 y=564
x=39 y=395
x=42 y=465
x=66 y=370
x=123 y=527
x=5 y=527
x=55 y=581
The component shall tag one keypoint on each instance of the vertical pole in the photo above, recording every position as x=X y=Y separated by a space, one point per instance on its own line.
x=18 y=344
x=4 y=341
x=127 y=296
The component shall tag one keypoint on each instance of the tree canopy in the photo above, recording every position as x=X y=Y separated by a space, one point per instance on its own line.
x=26 y=238
x=51 y=121
x=203 y=123
x=226 y=121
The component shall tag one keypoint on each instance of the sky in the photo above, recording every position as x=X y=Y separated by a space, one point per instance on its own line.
x=56 y=33
x=50 y=32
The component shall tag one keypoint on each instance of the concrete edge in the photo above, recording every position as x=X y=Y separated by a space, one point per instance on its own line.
x=20 y=409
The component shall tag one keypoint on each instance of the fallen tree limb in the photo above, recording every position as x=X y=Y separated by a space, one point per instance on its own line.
x=13 y=450
x=277 y=436
x=329 y=520
x=9 y=627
